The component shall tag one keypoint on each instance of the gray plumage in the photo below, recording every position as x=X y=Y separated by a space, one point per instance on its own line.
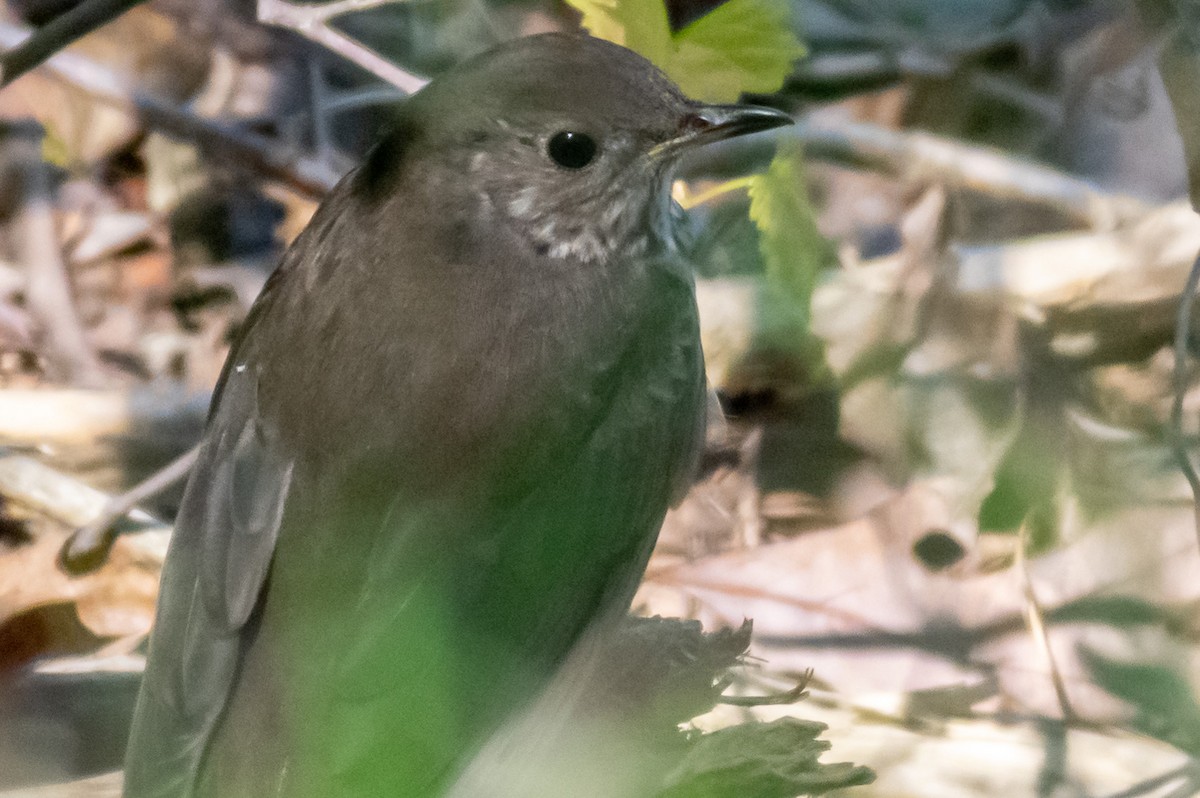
x=442 y=445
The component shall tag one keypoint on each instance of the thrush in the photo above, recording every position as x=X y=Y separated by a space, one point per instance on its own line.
x=444 y=440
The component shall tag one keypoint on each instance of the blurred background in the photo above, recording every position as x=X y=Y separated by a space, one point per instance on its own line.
x=949 y=481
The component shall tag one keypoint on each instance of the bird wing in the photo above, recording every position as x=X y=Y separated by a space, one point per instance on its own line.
x=220 y=553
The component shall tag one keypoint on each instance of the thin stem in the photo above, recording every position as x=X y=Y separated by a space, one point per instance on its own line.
x=363 y=98
x=925 y=156
x=88 y=546
x=1143 y=787
x=317 y=91
x=312 y=177
x=312 y=21
x=1035 y=618
x=304 y=15
x=689 y=200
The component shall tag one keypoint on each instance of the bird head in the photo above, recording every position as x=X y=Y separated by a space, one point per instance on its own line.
x=570 y=140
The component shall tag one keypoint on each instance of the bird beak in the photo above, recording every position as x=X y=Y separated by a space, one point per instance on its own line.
x=705 y=124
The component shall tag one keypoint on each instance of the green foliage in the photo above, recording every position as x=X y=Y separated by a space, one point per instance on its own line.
x=640 y=26
x=1120 y=612
x=1166 y=707
x=793 y=250
x=793 y=253
x=765 y=760
x=1024 y=487
x=55 y=149
x=742 y=46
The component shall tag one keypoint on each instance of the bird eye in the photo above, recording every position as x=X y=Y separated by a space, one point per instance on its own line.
x=572 y=150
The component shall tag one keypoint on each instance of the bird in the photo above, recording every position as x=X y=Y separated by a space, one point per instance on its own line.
x=444 y=439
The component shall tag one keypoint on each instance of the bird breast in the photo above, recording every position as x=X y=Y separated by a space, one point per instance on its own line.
x=450 y=351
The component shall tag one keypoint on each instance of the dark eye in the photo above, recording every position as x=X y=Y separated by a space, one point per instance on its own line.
x=572 y=150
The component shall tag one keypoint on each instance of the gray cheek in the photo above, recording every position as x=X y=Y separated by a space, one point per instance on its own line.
x=521 y=206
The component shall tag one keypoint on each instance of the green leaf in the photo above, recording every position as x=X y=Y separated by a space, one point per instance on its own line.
x=640 y=25
x=766 y=760
x=1166 y=707
x=742 y=46
x=793 y=253
x=55 y=149
x=1119 y=611
x=793 y=250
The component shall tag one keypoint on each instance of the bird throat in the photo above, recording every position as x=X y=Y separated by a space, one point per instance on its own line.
x=617 y=220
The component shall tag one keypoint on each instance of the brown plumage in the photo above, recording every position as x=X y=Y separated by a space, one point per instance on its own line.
x=444 y=442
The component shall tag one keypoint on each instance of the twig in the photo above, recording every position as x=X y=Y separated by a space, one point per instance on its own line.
x=59 y=33
x=311 y=20
x=362 y=98
x=1008 y=89
x=47 y=285
x=76 y=70
x=1143 y=787
x=312 y=177
x=1036 y=619
x=318 y=93
x=311 y=14
x=88 y=546
x=929 y=158
x=1179 y=448
x=925 y=158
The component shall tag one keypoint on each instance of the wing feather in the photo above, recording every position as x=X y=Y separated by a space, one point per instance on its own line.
x=220 y=554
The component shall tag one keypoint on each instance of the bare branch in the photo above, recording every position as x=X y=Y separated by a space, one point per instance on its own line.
x=1186 y=772
x=311 y=20
x=40 y=488
x=310 y=176
x=1035 y=617
x=60 y=32
x=929 y=158
x=88 y=546
x=75 y=70
x=306 y=15
x=925 y=158
x=47 y=285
